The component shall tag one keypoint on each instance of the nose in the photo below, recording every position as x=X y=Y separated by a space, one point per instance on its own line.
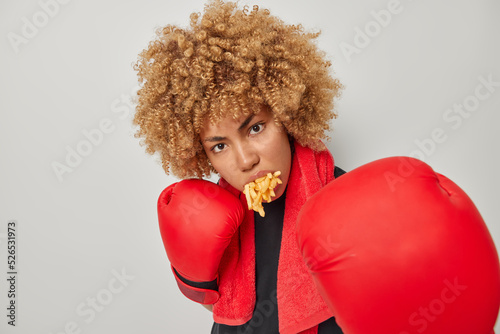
x=246 y=157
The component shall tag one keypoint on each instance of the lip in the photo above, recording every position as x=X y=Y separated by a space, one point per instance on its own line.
x=257 y=175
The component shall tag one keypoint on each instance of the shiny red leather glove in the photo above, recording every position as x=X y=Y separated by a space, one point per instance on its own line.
x=395 y=248
x=197 y=221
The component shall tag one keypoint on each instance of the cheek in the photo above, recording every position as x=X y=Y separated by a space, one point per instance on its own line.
x=218 y=164
x=277 y=149
x=225 y=167
x=281 y=144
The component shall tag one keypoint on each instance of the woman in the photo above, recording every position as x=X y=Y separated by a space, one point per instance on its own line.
x=242 y=94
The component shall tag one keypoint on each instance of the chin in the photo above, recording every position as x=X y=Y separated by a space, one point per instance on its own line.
x=280 y=191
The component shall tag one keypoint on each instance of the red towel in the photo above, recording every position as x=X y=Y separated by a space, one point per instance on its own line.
x=300 y=306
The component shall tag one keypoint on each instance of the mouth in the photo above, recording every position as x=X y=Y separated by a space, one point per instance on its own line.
x=260 y=188
x=258 y=174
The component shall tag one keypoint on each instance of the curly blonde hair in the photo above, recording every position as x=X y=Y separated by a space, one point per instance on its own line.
x=230 y=60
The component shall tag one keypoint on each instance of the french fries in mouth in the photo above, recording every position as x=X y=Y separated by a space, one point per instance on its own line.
x=261 y=189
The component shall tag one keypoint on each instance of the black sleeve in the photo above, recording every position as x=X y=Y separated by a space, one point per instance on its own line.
x=337 y=172
x=212 y=285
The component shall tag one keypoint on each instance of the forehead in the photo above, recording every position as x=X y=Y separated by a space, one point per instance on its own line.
x=231 y=118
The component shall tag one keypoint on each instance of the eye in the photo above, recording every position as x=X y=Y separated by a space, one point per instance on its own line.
x=256 y=128
x=218 y=147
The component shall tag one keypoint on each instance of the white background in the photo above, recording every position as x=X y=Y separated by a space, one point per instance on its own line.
x=75 y=74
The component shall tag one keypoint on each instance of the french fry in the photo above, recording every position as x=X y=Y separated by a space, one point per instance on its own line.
x=247 y=194
x=265 y=185
x=253 y=193
x=261 y=189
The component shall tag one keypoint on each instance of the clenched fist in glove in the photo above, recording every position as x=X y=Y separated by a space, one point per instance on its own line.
x=395 y=248
x=197 y=221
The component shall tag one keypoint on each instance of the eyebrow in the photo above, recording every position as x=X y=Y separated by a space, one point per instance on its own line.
x=241 y=127
x=246 y=122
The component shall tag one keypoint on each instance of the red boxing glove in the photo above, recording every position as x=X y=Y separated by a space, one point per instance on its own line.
x=197 y=221
x=395 y=248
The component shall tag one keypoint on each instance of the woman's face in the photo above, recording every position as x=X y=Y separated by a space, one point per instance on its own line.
x=247 y=148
